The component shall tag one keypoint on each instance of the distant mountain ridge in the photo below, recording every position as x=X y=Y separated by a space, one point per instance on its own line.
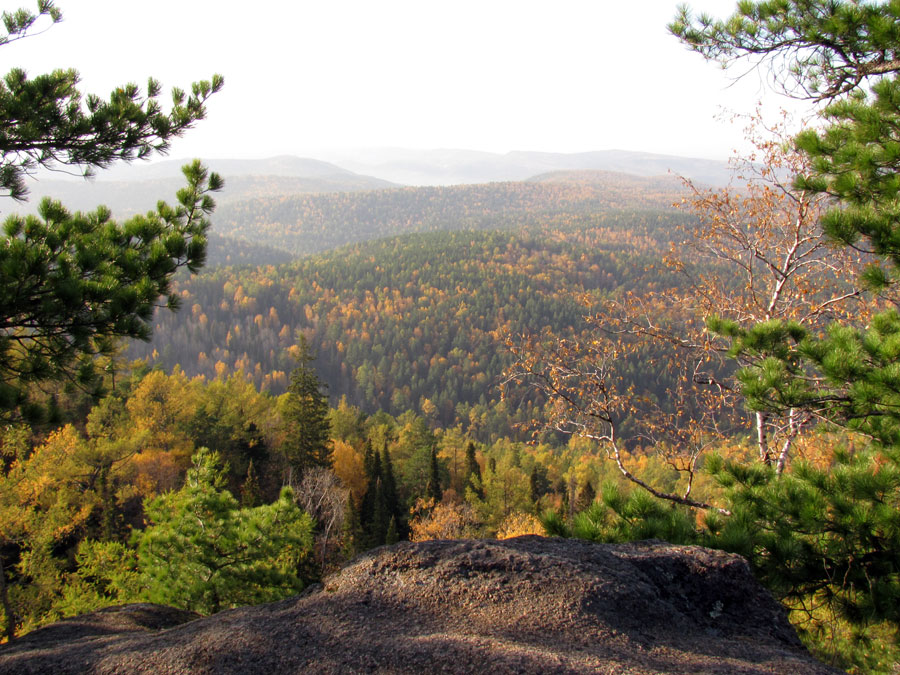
x=610 y=179
x=310 y=223
x=445 y=167
x=281 y=165
x=136 y=188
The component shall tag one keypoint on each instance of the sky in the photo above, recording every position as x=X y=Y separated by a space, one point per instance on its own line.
x=304 y=77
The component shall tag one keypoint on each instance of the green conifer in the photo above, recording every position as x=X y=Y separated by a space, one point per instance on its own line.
x=433 y=489
x=473 y=472
x=308 y=441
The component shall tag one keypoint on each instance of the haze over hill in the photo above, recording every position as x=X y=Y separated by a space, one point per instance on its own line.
x=446 y=167
x=135 y=188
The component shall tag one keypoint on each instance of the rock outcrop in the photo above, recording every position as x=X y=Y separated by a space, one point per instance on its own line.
x=524 y=605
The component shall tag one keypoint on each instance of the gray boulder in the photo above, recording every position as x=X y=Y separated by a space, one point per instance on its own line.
x=523 y=605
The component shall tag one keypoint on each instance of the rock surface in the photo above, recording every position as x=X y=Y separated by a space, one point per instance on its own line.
x=524 y=605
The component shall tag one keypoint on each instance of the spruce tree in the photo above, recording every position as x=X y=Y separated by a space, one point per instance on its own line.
x=308 y=441
x=373 y=474
x=250 y=494
x=473 y=472
x=433 y=489
x=392 y=537
x=539 y=483
x=375 y=512
x=391 y=497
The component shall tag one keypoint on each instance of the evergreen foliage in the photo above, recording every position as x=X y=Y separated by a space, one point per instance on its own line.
x=250 y=496
x=826 y=535
x=308 y=441
x=433 y=489
x=71 y=284
x=205 y=553
x=48 y=122
x=816 y=48
x=473 y=472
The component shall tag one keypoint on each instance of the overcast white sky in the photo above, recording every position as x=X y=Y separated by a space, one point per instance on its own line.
x=494 y=75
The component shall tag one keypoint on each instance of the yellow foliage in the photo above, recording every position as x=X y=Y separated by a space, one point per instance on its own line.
x=451 y=520
x=518 y=524
x=348 y=465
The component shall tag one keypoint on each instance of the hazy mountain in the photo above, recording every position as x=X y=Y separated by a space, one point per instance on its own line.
x=309 y=223
x=135 y=188
x=445 y=167
x=283 y=165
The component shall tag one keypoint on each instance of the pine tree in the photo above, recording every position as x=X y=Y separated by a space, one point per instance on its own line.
x=71 y=285
x=202 y=552
x=830 y=535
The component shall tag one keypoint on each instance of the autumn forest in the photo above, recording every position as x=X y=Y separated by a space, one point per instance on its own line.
x=221 y=400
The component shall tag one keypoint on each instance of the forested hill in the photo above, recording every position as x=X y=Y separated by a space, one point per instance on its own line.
x=223 y=250
x=311 y=223
x=410 y=322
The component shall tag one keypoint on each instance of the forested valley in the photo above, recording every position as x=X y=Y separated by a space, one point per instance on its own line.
x=406 y=334
x=374 y=392
x=414 y=322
